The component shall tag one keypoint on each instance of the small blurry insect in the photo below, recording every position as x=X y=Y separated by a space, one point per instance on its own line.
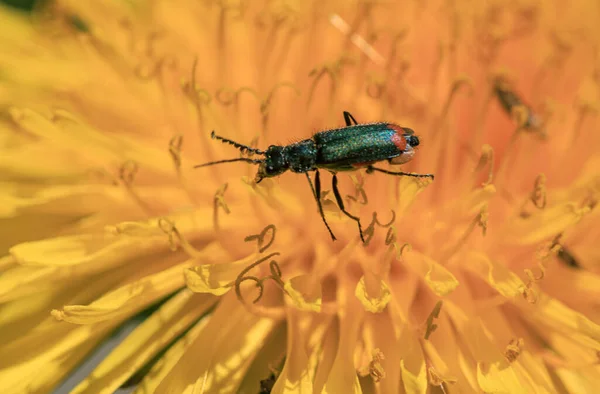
x=345 y=149
x=567 y=258
x=266 y=385
x=510 y=101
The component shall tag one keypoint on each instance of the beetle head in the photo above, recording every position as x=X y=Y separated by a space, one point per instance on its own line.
x=275 y=163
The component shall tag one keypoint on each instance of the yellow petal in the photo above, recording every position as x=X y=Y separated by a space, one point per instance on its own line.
x=497 y=378
x=325 y=352
x=379 y=333
x=579 y=381
x=409 y=188
x=39 y=372
x=218 y=359
x=376 y=300
x=296 y=376
x=437 y=277
x=494 y=373
x=557 y=316
x=545 y=224
x=217 y=278
x=127 y=299
x=268 y=360
x=496 y=274
x=342 y=377
x=148 y=339
x=412 y=365
x=95 y=250
x=532 y=369
x=304 y=293
x=163 y=366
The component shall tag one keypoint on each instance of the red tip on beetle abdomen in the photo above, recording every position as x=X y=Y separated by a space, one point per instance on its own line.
x=398 y=138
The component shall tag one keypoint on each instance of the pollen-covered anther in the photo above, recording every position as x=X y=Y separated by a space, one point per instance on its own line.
x=219 y=202
x=176 y=239
x=376 y=370
x=514 y=349
x=528 y=291
x=127 y=173
x=175 y=145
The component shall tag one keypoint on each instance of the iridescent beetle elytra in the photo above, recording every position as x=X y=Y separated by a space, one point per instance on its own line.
x=345 y=149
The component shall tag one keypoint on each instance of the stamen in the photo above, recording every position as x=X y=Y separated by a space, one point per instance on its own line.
x=390 y=240
x=528 y=291
x=332 y=71
x=359 y=190
x=375 y=86
x=357 y=39
x=430 y=326
x=585 y=108
x=127 y=173
x=154 y=67
x=390 y=237
x=199 y=97
x=513 y=350
x=227 y=97
x=486 y=158
x=219 y=202
x=176 y=239
x=529 y=294
x=538 y=196
x=265 y=104
x=457 y=84
x=175 y=151
x=275 y=276
x=260 y=238
x=175 y=145
x=369 y=232
x=480 y=220
x=146 y=228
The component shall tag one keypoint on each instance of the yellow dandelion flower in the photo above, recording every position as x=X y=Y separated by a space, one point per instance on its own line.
x=483 y=280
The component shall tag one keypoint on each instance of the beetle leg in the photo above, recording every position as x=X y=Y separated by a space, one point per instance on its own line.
x=340 y=203
x=370 y=169
x=349 y=118
x=316 y=190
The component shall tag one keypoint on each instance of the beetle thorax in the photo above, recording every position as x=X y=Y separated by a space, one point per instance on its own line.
x=301 y=156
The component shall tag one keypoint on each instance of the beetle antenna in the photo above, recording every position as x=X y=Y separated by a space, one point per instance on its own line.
x=244 y=159
x=243 y=148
